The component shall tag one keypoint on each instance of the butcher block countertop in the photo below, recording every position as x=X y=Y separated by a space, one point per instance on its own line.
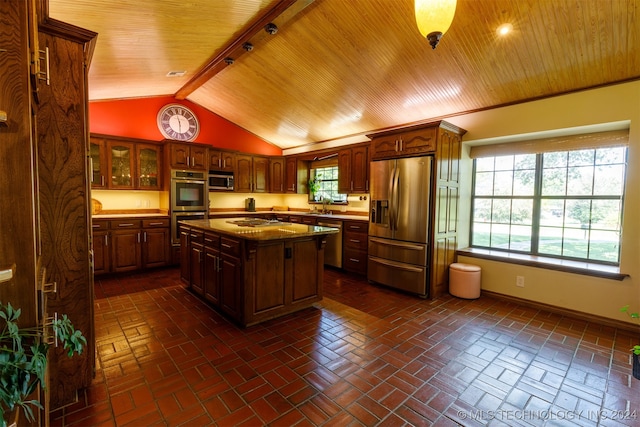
x=258 y=229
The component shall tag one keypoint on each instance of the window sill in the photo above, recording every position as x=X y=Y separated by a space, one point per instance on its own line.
x=588 y=269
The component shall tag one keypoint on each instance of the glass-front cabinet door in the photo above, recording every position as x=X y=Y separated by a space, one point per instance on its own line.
x=121 y=164
x=98 y=153
x=148 y=166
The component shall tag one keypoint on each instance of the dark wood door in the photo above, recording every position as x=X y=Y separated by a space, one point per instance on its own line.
x=276 y=174
x=221 y=160
x=65 y=198
x=345 y=182
x=260 y=174
x=418 y=141
x=360 y=169
x=184 y=256
x=121 y=165
x=211 y=275
x=179 y=155
x=291 y=175
x=230 y=286
x=212 y=268
x=198 y=159
x=243 y=176
x=98 y=172
x=148 y=167
x=126 y=252
x=101 y=253
x=155 y=247
x=196 y=259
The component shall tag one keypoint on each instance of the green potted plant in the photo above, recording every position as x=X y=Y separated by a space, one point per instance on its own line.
x=23 y=359
x=314 y=187
x=636 y=348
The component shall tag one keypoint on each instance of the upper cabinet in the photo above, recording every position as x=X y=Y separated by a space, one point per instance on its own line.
x=353 y=166
x=220 y=160
x=120 y=156
x=125 y=164
x=403 y=143
x=251 y=175
x=276 y=174
x=98 y=164
x=148 y=166
x=187 y=156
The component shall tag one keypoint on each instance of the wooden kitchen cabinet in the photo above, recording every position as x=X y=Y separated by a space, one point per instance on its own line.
x=220 y=160
x=126 y=252
x=251 y=175
x=231 y=278
x=187 y=156
x=130 y=244
x=99 y=165
x=276 y=174
x=155 y=243
x=353 y=167
x=408 y=142
x=101 y=246
x=212 y=268
x=148 y=166
x=296 y=175
x=124 y=163
x=443 y=140
x=196 y=261
x=121 y=165
x=355 y=246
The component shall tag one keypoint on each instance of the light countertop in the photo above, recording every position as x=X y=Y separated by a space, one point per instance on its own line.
x=272 y=231
x=297 y=213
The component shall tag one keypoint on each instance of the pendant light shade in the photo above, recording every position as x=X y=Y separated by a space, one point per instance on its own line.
x=434 y=18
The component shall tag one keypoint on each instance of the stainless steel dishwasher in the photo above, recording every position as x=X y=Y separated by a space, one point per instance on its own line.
x=333 y=249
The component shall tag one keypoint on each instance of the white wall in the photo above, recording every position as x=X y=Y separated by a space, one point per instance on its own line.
x=602 y=297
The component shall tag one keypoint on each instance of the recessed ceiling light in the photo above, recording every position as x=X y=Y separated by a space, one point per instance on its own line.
x=504 y=29
x=176 y=73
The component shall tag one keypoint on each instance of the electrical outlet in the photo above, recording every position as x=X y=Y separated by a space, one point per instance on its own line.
x=520 y=281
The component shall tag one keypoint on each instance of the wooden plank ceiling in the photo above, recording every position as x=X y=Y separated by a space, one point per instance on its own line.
x=340 y=68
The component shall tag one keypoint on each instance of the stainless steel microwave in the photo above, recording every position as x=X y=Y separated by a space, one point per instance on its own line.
x=220 y=181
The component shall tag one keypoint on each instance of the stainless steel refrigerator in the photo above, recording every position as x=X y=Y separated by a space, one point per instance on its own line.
x=399 y=223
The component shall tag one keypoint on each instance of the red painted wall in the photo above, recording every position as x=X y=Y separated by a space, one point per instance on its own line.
x=136 y=118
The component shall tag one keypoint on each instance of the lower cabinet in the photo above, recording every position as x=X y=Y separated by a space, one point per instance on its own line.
x=130 y=244
x=355 y=246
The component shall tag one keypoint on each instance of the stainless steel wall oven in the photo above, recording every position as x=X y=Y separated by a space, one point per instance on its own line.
x=189 y=195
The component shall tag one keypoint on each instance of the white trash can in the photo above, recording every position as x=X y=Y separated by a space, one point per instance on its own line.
x=464 y=280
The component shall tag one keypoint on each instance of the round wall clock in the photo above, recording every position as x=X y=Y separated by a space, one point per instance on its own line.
x=177 y=122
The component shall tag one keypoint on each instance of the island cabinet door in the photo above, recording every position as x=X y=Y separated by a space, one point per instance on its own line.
x=196 y=260
x=185 y=272
x=212 y=268
x=305 y=270
x=268 y=282
x=231 y=286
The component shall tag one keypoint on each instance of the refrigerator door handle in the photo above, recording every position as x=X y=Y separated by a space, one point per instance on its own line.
x=396 y=197
x=391 y=211
x=398 y=244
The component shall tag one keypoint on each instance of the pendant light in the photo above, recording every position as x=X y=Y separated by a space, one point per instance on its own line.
x=434 y=18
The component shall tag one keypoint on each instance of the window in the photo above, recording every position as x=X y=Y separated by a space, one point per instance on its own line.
x=565 y=204
x=324 y=185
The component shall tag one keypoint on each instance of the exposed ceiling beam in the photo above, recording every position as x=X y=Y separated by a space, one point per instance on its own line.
x=283 y=11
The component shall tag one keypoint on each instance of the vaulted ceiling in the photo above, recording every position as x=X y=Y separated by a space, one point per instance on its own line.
x=342 y=68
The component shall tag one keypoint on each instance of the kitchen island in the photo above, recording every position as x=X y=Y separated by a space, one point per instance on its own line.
x=252 y=269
